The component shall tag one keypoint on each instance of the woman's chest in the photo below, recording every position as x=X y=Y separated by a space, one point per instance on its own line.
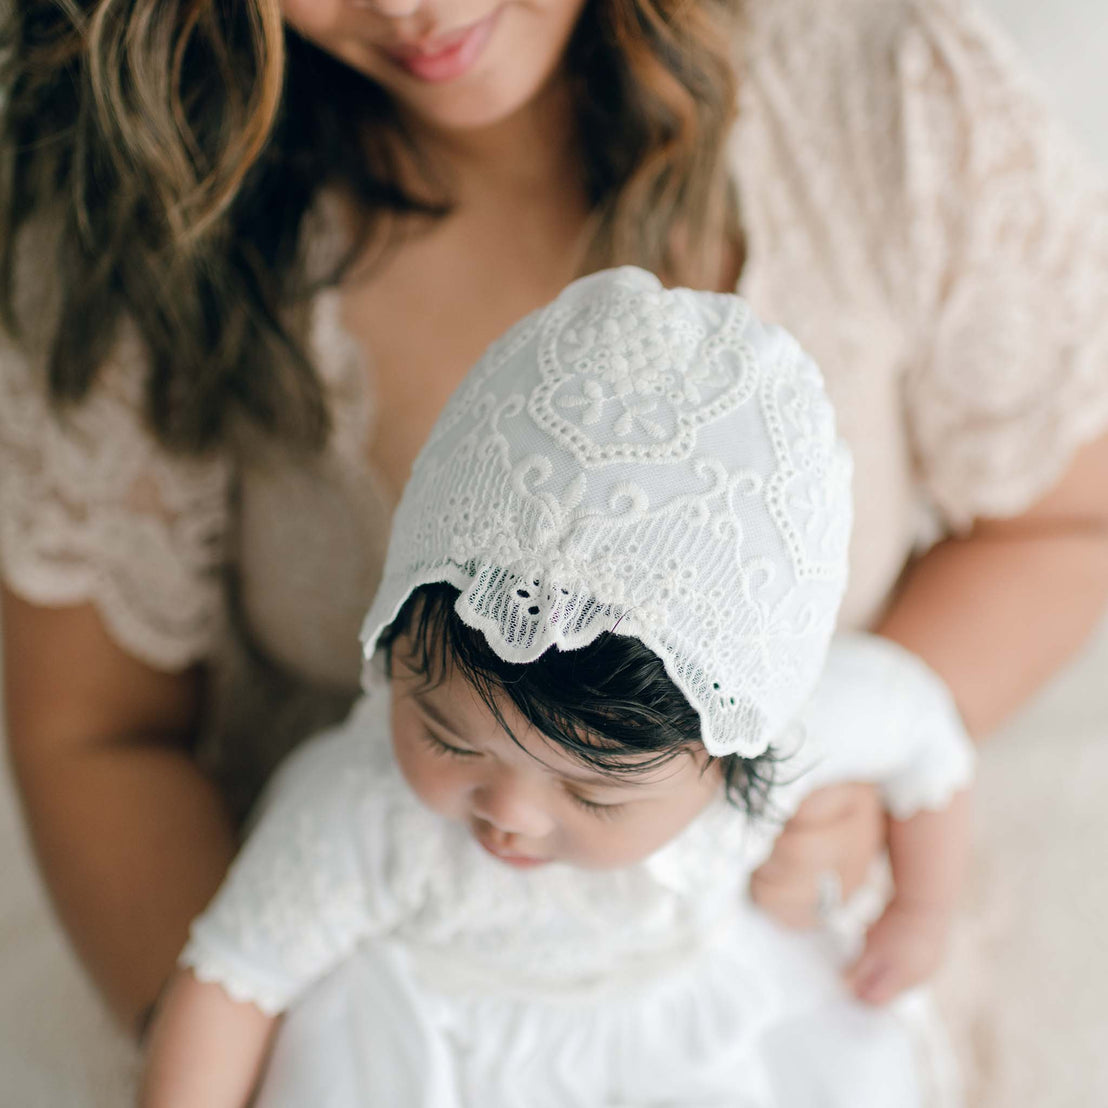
x=424 y=337
x=391 y=348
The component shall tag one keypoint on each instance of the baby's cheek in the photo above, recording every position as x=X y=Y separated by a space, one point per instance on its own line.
x=614 y=845
x=629 y=839
x=428 y=780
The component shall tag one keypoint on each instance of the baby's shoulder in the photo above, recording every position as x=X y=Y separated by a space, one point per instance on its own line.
x=341 y=794
x=348 y=772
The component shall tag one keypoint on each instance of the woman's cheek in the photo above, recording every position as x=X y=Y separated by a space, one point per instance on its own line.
x=312 y=17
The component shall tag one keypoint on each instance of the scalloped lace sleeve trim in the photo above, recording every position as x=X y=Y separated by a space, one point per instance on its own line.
x=210 y=969
x=933 y=785
x=937 y=758
x=881 y=714
x=93 y=510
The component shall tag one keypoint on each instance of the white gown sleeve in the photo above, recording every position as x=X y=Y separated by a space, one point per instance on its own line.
x=880 y=714
x=315 y=876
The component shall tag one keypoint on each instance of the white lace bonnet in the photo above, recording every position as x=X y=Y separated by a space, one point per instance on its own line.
x=648 y=462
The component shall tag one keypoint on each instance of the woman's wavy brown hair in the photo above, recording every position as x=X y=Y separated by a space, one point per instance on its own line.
x=178 y=144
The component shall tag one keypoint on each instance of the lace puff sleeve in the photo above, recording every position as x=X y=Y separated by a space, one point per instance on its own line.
x=1009 y=250
x=93 y=510
x=321 y=870
x=880 y=714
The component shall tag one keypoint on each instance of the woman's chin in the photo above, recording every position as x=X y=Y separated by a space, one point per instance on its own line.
x=467 y=108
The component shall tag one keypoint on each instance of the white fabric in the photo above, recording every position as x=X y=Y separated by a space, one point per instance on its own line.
x=652 y=985
x=92 y=508
x=650 y=462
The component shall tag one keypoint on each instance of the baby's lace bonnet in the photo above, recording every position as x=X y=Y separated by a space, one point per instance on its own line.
x=655 y=463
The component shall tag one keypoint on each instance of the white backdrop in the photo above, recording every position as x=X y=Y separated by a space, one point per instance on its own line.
x=1042 y=818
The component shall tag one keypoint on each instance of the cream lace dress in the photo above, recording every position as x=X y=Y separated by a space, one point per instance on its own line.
x=912 y=215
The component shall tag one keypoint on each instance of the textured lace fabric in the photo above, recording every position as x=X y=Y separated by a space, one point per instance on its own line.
x=344 y=852
x=912 y=214
x=652 y=462
x=918 y=191
x=93 y=510
x=1013 y=312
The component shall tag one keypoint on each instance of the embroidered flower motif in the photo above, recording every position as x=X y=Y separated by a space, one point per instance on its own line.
x=632 y=373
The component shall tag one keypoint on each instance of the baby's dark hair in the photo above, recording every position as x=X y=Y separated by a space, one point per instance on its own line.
x=600 y=704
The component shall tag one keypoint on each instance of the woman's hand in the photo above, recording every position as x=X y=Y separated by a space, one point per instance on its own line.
x=837 y=830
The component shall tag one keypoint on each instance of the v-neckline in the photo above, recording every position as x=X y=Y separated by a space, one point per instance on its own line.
x=346 y=366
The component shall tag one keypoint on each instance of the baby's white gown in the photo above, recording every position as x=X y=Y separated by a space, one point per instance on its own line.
x=417 y=971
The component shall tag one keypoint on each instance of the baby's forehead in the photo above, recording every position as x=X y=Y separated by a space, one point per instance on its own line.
x=615 y=769
x=458 y=708
x=618 y=770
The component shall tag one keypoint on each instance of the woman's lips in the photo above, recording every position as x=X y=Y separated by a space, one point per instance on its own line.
x=444 y=57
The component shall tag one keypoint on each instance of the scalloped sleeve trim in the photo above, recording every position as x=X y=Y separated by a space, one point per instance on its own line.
x=881 y=714
x=92 y=510
x=271 y=997
x=315 y=876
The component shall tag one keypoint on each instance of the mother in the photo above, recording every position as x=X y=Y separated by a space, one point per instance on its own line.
x=248 y=249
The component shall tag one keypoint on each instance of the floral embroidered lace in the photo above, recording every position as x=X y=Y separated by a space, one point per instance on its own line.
x=650 y=462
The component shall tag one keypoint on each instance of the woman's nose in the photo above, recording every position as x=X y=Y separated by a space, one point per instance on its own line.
x=512 y=806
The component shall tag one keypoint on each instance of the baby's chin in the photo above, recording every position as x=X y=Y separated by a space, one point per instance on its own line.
x=594 y=861
x=609 y=861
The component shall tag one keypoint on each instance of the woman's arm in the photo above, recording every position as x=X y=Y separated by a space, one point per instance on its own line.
x=998 y=612
x=130 y=836
x=206 y=1050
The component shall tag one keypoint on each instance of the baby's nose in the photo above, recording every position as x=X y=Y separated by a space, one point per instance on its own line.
x=512 y=806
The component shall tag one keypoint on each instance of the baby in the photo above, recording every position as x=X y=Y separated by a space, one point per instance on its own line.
x=515 y=876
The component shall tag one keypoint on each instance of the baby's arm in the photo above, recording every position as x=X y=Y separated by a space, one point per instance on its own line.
x=879 y=714
x=905 y=946
x=310 y=882
x=206 y=1050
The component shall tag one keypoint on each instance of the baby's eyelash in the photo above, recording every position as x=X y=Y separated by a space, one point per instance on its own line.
x=445 y=749
x=602 y=811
